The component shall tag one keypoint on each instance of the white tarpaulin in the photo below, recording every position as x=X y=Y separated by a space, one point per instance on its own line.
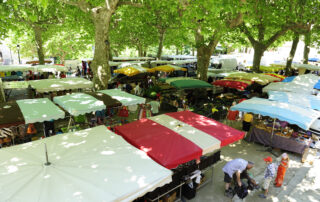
x=205 y=141
x=39 y=110
x=79 y=103
x=126 y=99
x=300 y=84
x=11 y=68
x=52 y=85
x=89 y=165
x=51 y=68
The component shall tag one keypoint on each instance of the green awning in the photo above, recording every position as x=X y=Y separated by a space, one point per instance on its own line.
x=126 y=99
x=39 y=110
x=15 y=85
x=79 y=103
x=106 y=99
x=190 y=84
x=52 y=85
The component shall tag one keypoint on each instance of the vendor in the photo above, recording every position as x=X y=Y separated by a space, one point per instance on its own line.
x=247 y=120
x=236 y=169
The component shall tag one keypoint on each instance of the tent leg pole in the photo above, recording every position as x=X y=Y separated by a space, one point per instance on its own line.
x=69 y=124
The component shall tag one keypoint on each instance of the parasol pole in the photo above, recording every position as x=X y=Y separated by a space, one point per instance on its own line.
x=46 y=153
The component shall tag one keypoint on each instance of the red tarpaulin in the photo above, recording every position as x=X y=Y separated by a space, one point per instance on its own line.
x=163 y=145
x=236 y=84
x=224 y=133
x=168 y=147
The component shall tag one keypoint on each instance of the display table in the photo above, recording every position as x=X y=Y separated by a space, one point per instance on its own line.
x=264 y=137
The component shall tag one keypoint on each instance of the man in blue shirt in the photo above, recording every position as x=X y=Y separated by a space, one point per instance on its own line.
x=236 y=169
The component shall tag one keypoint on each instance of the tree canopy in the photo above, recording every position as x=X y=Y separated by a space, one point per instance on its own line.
x=70 y=29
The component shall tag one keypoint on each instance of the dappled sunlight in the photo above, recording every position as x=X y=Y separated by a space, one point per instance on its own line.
x=49 y=85
x=89 y=161
x=79 y=103
x=71 y=144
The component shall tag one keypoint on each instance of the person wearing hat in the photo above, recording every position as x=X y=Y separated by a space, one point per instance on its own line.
x=268 y=176
x=236 y=169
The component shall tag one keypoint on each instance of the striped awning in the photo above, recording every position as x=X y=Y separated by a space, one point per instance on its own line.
x=175 y=138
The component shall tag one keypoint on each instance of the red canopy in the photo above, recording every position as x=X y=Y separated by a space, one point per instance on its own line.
x=236 y=84
x=171 y=148
x=224 y=133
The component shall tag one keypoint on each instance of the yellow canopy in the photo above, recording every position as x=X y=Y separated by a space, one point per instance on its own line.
x=167 y=68
x=258 y=78
x=131 y=70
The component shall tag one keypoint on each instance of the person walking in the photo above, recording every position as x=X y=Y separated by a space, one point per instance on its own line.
x=282 y=170
x=268 y=176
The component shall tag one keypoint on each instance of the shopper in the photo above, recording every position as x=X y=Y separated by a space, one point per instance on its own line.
x=268 y=176
x=282 y=169
x=236 y=169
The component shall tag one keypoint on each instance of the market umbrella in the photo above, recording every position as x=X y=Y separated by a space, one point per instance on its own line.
x=89 y=165
x=167 y=68
x=131 y=70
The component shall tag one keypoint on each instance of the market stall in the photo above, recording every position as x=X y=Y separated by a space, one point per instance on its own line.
x=79 y=103
x=167 y=68
x=9 y=86
x=131 y=70
x=289 y=116
x=10 y=114
x=126 y=99
x=302 y=84
x=261 y=79
x=39 y=110
x=53 y=85
x=240 y=85
x=174 y=140
x=102 y=167
x=305 y=101
x=50 y=68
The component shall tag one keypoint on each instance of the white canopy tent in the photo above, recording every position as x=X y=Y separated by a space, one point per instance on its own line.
x=89 y=165
x=79 y=103
x=22 y=68
x=50 y=68
x=39 y=110
x=126 y=99
x=52 y=85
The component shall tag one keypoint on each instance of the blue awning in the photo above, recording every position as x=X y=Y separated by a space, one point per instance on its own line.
x=305 y=101
x=290 y=113
x=289 y=79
